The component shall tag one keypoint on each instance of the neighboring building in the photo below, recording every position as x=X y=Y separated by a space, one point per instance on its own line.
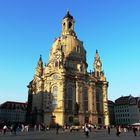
x=111 y=106
x=12 y=112
x=63 y=91
x=134 y=109
x=127 y=110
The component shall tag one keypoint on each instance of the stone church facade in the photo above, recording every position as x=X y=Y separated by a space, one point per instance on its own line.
x=63 y=91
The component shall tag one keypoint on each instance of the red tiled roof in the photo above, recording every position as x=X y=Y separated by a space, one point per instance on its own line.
x=13 y=105
x=124 y=100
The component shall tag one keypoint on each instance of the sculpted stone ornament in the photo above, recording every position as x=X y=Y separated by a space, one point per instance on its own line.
x=102 y=77
x=59 y=57
x=98 y=65
x=39 y=85
x=30 y=87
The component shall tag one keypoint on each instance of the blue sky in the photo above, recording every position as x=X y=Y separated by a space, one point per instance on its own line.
x=28 y=28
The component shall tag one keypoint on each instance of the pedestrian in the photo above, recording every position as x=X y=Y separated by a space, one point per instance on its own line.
x=125 y=130
x=4 y=129
x=35 y=127
x=108 y=130
x=39 y=127
x=86 y=131
x=22 y=127
x=118 y=129
x=11 y=128
x=89 y=127
x=15 y=126
x=57 y=128
x=134 y=131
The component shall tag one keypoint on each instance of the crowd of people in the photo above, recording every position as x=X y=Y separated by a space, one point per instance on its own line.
x=16 y=127
x=87 y=128
x=12 y=128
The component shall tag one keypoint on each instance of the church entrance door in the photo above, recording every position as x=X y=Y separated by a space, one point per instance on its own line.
x=53 y=120
x=86 y=119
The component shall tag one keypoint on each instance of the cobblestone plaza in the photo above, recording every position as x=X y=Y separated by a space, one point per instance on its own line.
x=51 y=135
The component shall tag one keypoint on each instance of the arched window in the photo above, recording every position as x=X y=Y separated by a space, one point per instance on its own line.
x=78 y=49
x=70 y=25
x=81 y=67
x=56 y=64
x=98 y=100
x=55 y=90
x=85 y=99
x=69 y=95
x=69 y=98
x=64 y=25
x=71 y=119
x=54 y=96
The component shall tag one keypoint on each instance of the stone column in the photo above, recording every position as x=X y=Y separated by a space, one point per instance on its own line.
x=81 y=98
x=79 y=95
x=77 y=92
x=62 y=104
x=105 y=104
x=80 y=101
x=92 y=104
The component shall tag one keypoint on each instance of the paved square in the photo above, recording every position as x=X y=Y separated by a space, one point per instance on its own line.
x=51 y=135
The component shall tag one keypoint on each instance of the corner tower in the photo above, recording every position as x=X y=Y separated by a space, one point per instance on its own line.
x=101 y=91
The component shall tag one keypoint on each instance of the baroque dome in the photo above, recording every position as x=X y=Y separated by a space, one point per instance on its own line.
x=71 y=46
x=68 y=42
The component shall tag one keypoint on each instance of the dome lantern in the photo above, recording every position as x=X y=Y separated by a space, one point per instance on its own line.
x=68 y=24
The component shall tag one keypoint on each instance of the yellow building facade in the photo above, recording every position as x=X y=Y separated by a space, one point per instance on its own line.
x=63 y=91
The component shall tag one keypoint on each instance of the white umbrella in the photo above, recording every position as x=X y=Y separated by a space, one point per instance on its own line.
x=136 y=124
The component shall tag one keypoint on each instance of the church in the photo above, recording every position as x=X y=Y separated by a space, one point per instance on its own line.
x=63 y=91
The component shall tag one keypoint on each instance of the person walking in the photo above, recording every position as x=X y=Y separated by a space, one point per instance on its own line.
x=134 y=131
x=57 y=128
x=15 y=128
x=4 y=129
x=22 y=127
x=108 y=130
x=35 y=127
x=86 y=129
x=118 y=129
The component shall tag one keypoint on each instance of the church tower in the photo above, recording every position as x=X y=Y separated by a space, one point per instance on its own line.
x=39 y=68
x=97 y=65
x=101 y=91
x=63 y=91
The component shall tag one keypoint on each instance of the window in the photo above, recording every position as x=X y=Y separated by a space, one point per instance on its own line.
x=56 y=64
x=54 y=96
x=69 y=94
x=69 y=98
x=85 y=99
x=78 y=49
x=70 y=119
x=70 y=25
x=55 y=91
x=99 y=100
x=64 y=25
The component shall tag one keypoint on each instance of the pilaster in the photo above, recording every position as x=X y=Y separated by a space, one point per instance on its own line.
x=105 y=104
